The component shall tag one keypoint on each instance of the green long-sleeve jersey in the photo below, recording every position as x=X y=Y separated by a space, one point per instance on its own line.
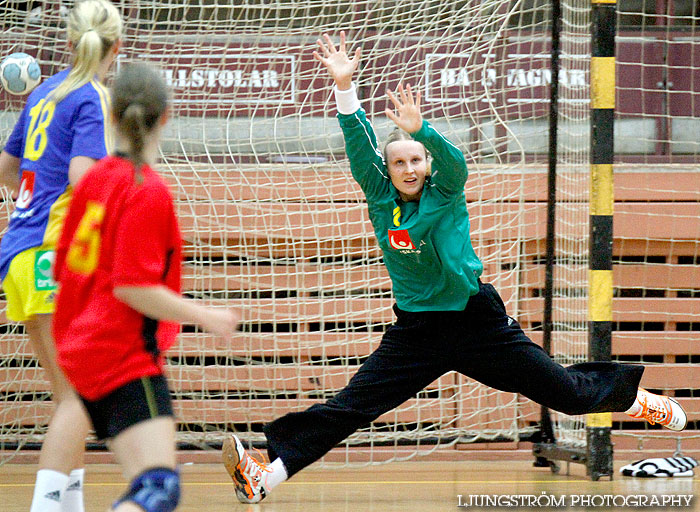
x=425 y=243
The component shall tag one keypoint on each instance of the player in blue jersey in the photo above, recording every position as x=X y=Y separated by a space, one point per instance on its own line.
x=447 y=319
x=60 y=133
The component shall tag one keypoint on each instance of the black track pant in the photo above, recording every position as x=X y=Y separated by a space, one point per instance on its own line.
x=481 y=342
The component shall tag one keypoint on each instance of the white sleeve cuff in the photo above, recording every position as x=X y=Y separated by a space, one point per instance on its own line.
x=347 y=101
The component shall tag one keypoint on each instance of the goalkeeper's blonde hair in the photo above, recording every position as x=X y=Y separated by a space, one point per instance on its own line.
x=93 y=27
x=398 y=134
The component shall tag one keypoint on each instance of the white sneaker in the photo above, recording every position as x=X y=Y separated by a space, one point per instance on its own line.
x=247 y=473
x=660 y=409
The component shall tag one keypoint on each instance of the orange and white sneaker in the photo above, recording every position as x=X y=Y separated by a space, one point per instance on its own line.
x=660 y=409
x=248 y=475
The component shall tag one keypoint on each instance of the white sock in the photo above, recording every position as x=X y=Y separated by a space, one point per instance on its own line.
x=277 y=475
x=636 y=407
x=73 y=498
x=48 y=491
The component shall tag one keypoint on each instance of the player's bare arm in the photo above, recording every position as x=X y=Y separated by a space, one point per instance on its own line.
x=9 y=171
x=161 y=303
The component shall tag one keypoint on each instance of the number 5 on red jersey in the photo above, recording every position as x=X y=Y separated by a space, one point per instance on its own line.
x=84 y=250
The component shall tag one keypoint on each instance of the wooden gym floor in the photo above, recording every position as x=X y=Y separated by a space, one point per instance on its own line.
x=407 y=486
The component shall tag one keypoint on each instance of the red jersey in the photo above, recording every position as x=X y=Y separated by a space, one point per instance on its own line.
x=117 y=233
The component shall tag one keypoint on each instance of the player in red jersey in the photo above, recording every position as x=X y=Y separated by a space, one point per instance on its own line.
x=118 y=268
x=62 y=130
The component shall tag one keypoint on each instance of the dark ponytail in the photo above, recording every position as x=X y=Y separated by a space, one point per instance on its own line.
x=132 y=126
x=139 y=99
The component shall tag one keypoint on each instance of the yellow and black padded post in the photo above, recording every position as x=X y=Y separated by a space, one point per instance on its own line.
x=600 y=285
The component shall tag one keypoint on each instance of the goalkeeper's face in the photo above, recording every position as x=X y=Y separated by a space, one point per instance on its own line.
x=408 y=167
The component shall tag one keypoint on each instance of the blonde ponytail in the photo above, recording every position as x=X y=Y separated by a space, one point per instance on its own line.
x=93 y=27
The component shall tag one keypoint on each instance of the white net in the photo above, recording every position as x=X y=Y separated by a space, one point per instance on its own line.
x=657 y=237
x=273 y=223
x=275 y=227
x=656 y=231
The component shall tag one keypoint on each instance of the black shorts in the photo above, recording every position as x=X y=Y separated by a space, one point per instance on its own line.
x=139 y=400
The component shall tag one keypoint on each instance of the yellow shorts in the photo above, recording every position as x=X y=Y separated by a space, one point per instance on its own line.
x=29 y=285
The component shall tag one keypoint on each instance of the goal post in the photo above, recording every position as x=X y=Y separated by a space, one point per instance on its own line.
x=600 y=285
x=643 y=98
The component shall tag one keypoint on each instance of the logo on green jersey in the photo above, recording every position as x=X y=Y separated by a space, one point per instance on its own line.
x=397 y=216
x=399 y=239
x=43 y=271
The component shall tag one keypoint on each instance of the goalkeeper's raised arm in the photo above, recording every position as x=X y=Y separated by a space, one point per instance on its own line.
x=366 y=163
x=405 y=161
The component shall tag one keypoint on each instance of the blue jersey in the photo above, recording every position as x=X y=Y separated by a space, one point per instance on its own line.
x=46 y=137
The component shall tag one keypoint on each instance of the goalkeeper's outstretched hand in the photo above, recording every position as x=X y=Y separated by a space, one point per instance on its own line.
x=339 y=65
x=407 y=116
